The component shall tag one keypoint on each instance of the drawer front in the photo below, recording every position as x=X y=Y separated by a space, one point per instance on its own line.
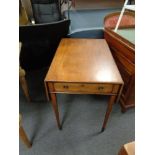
x=87 y=88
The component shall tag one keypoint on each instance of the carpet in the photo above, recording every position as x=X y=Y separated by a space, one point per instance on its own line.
x=81 y=117
x=83 y=20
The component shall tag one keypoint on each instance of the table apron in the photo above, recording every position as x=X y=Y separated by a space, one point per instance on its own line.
x=58 y=92
x=83 y=88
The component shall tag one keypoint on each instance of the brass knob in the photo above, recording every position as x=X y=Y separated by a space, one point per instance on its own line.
x=100 y=88
x=66 y=87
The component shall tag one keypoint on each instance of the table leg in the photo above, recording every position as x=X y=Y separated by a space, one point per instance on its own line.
x=23 y=136
x=108 y=111
x=55 y=107
x=24 y=86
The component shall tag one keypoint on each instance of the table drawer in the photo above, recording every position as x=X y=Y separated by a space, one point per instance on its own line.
x=90 y=88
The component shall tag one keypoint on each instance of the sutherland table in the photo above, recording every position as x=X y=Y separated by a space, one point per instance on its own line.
x=83 y=66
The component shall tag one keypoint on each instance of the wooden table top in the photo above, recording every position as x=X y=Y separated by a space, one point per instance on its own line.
x=83 y=60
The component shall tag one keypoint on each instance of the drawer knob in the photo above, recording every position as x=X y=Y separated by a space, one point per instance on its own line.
x=66 y=87
x=100 y=88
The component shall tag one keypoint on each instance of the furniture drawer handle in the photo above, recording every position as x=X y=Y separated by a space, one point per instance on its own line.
x=100 y=88
x=66 y=87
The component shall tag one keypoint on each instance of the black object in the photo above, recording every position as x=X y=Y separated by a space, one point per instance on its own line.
x=46 y=11
x=40 y=41
x=102 y=130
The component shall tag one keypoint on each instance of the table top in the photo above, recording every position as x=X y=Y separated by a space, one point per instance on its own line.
x=83 y=60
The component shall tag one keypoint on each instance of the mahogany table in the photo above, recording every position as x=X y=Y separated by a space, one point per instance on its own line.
x=83 y=66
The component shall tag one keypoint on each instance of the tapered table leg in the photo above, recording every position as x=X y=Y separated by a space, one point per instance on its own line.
x=23 y=83
x=25 y=87
x=55 y=107
x=22 y=133
x=108 y=111
x=23 y=136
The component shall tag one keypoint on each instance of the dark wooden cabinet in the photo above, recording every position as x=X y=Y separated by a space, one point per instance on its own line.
x=124 y=54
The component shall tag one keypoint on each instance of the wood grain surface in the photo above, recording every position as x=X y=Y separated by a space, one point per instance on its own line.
x=83 y=60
